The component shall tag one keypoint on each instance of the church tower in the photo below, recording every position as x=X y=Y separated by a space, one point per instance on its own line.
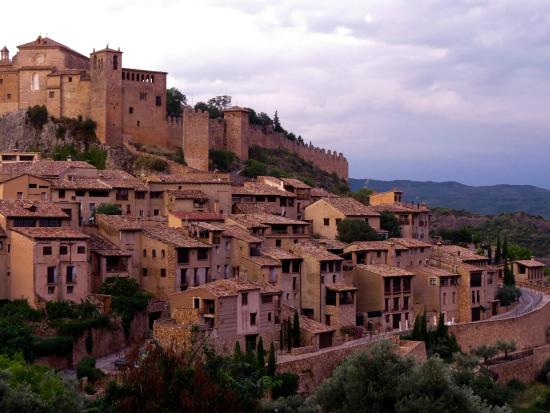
x=106 y=94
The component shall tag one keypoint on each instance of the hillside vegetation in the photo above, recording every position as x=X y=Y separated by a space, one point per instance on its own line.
x=529 y=231
x=490 y=200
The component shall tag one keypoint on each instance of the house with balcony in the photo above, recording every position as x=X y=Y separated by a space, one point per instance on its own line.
x=48 y=264
x=231 y=311
x=213 y=234
x=326 y=213
x=436 y=291
x=384 y=297
x=530 y=271
x=288 y=277
x=106 y=261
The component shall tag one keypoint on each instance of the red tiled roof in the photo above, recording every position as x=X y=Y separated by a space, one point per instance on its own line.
x=105 y=248
x=175 y=237
x=384 y=270
x=279 y=254
x=188 y=194
x=198 y=216
x=240 y=234
x=51 y=233
x=232 y=286
x=14 y=208
x=320 y=254
x=349 y=207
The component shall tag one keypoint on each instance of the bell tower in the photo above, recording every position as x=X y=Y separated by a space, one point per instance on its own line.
x=106 y=94
x=4 y=54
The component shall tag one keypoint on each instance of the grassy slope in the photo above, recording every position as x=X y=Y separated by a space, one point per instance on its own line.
x=483 y=199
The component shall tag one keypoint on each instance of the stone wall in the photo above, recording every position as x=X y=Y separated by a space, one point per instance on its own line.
x=527 y=330
x=525 y=369
x=313 y=368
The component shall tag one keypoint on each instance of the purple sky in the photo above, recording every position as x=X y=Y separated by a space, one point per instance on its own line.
x=424 y=90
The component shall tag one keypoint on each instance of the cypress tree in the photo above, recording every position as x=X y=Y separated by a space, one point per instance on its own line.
x=441 y=331
x=260 y=354
x=271 y=361
x=288 y=335
x=281 y=337
x=296 y=329
x=505 y=248
x=508 y=276
x=276 y=123
x=498 y=251
x=490 y=254
x=424 y=329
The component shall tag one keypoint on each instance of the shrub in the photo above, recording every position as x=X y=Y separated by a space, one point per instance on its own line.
x=178 y=156
x=508 y=295
x=108 y=209
x=150 y=163
x=16 y=337
x=59 y=309
x=286 y=384
x=21 y=309
x=86 y=368
x=544 y=373
x=53 y=346
x=253 y=168
x=351 y=230
x=221 y=159
x=75 y=328
x=37 y=116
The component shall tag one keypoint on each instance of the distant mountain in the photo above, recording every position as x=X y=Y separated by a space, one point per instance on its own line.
x=488 y=200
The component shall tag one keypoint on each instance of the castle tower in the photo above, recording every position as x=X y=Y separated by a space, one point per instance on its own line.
x=106 y=94
x=4 y=54
x=237 y=126
x=195 y=138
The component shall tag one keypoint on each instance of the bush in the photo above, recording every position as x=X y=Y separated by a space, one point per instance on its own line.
x=351 y=230
x=37 y=116
x=108 y=209
x=286 y=384
x=20 y=309
x=75 y=328
x=544 y=373
x=86 y=368
x=59 y=309
x=253 y=168
x=177 y=156
x=150 y=163
x=16 y=337
x=508 y=295
x=221 y=159
x=53 y=346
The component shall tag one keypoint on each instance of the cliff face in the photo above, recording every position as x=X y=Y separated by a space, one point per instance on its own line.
x=15 y=134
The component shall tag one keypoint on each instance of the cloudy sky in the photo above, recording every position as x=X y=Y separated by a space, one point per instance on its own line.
x=423 y=89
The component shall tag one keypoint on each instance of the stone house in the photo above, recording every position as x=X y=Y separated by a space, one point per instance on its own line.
x=213 y=234
x=416 y=253
x=384 y=297
x=326 y=213
x=282 y=201
x=186 y=200
x=531 y=271
x=48 y=264
x=230 y=311
x=289 y=279
x=293 y=185
x=106 y=260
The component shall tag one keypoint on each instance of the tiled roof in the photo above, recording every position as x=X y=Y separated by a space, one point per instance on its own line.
x=121 y=179
x=453 y=260
x=279 y=253
x=396 y=208
x=49 y=43
x=80 y=183
x=262 y=219
x=209 y=226
x=263 y=261
x=240 y=234
x=341 y=287
x=188 y=194
x=321 y=193
x=198 y=216
x=48 y=168
x=461 y=252
x=232 y=286
x=434 y=271
x=256 y=207
x=105 y=248
x=257 y=188
x=372 y=246
x=192 y=178
x=410 y=242
x=120 y=222
x=14 y=208
x=384 y=270
x=350 y=207
x=530 y=263
x=320 y=254
x=295 y=183
x=51 y=233
x=175 y=237
x=246 y=220
x=314 y=327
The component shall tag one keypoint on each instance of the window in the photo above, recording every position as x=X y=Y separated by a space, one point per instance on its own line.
x=51 y=94
x=196 y=302
x=70 y=79
x=47 y=251
x=278 y=243
x=35 y=82
x=81 y=249
x=162 y=254
x=475 y=280
x=139 y=195
x=80 y=192
x=244 y=299
x=326 y=222
x=131 y=110
x=32 y=185
x=51 y=275
x=454 y=297
x=444 y=298
x=51 y=290
x=115 y=62
x=252 y=319
x=70 y=274
x=144 y=253
x=158 y=101
x=269 y=316
x=267 y=299
x=163 y=272
x=63 y=250
x=202 y=254
x=49 y=222
x=154 y=253
x=183 y=256
x=405 y=303
x=144 y=272
x=61 y=193
x=20 y=195
x=156 y=212
x=70 y=289
x=293 y=283
x=432 y=281
x=142 y=96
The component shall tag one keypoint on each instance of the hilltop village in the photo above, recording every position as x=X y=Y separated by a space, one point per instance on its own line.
x=232 y=260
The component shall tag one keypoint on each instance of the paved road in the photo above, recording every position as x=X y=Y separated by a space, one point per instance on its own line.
x=529 y=300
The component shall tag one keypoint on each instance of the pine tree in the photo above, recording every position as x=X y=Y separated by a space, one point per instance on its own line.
x=505 y=248
x=490 y=254
x=276 y=123
x=498 y=251
x=271 y=361
x=289 y=334
x=441 y=331
x=296 y=329
x=260 y=354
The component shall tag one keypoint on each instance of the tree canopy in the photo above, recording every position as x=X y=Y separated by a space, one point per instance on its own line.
x=175 y=100
x=351 y=230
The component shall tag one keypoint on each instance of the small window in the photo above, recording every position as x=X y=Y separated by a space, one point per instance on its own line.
x=269 y=316
x=432 y=281
x=277 y=242
x=63 y=250
x=196 y=302
x=326 y=222
x=47 y=251
x=61 y=193
x=130 y=110
x=70 y=79
x=156 y=212
x=115 y=62
x=138 y=123
x=154 y=253
x=144 y=272
x=163 y=272
x=158 y=101
x=162 y=254
x=9 y=96
x=202 y=254
x=32 y=185
x=81 y=249
x=252 y=319
x=52 y=94
x=244 y=299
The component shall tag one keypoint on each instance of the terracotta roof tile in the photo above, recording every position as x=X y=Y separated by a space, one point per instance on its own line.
x=198 y=216
x=51 y=233
x=410 y=242
x=80 y=183
x=530 y=263
x=263 y=261
x=14 y=208
x=106 y=248
x=256 y=207
x=349 y=207
x=462 y=253
x=188 y=194
x=314 y=327
x=257 y=188
x=121 y=180
x=240 y=234
x=321 y=193
x=372 y=246
x=434 y=271
x=384 y=270
x=175 y=237
x=295 y=183
x=192 y=177
x=320 y=254
x=279 y=254
x=232 y=286
x=121 y=222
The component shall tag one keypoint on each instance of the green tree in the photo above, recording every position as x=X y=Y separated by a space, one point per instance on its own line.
x=277 y=123
x=518 y=252
x=351 y=230
x=237 y=353
x=390 y=223
x=271 y=361
x=508 y=295
x=220 y=102
x=37 y=116
x=16 y=337
x=485 y=352
x=221 y=159
x=254 y=168
x=362 y=195
x=108 y=209
x=296 y=329
x=506 y=347
x=505 y=252
x=260 y=354
x=289 y=334
x=175 y=100
x=498 y=251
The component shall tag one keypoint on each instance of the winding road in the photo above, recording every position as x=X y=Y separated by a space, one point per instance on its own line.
x=529 y=300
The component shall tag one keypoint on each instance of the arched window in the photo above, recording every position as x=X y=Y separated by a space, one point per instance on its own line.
x=35 y=82
x=154 y=253
x=162 y=254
